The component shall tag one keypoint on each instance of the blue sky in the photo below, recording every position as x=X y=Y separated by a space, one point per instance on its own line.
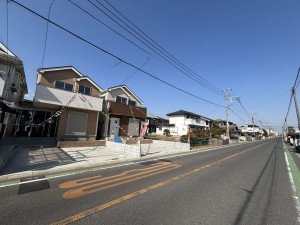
x=249 y=46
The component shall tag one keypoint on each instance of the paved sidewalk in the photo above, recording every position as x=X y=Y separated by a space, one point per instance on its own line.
x=36 y=160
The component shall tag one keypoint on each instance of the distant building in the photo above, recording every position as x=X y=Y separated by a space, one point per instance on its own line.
x=223 y=124
x=183 y=120
x=251 y=129
x=155 y=122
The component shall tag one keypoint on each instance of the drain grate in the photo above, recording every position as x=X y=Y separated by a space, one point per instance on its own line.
x=35 y=183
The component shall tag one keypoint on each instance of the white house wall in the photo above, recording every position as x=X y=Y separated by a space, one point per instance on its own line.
x=180 y=124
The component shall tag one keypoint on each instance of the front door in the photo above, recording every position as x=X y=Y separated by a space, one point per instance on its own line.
x=114 y=126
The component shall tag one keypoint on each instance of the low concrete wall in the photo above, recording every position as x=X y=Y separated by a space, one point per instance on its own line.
x=131 y=149
x=70 y=144
x=166 y=145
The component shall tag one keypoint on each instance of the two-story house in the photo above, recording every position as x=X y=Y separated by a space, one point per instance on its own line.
x=223 y=124
x=122 y=114
x=154 y=122
x=71 y=99
x=251 y=129
x=13 y=87
x=184 y=120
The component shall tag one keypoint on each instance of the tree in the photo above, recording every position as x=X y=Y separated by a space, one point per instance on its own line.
x=166 y=132
x=265 y=134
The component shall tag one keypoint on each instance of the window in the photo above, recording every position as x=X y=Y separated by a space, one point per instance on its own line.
x=63 y=86
x=130 y=102
x=121 y=100
x=68 y=87
x=84 y=90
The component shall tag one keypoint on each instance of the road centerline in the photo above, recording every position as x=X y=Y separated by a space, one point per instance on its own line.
x=101 y=207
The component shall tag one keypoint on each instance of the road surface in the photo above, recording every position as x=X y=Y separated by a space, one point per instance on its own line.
x=244 y=184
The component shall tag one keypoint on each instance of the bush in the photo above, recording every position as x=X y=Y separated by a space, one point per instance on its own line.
x=167 y=132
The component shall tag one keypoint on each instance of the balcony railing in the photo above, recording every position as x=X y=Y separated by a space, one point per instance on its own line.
x=58 y=97
x=127 y=110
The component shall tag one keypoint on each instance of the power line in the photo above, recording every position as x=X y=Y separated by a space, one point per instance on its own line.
x=104 y=24
x=289 y=107
x=7 y=26
x=45 y=44
x=239 y=101
x=237 y=115
x=159 y=46
x=297 y=79
x=148 y=60
x=161 y=53
x=112 y=55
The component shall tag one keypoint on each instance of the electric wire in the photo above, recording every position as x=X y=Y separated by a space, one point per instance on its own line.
x=7 y=26
x=287 y=114
x=155 y=43
x=297 y=79
x=237 y=115
x=239 y=101
x=161 y=53
x=148 y=60
x=112 y=55
x=159 y=46
x=104 y=24
x=46 y=37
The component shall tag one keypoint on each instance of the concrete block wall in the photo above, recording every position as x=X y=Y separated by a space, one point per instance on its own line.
x=130 y=149
x=169 y=145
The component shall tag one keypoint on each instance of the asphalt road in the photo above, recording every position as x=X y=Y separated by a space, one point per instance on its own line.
x=245 y=184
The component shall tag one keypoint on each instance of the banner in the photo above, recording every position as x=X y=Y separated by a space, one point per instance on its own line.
x=144 y=128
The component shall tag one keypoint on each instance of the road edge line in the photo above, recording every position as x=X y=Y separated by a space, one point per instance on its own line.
x=289 y=160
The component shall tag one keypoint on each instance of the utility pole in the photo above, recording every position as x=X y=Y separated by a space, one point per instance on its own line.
x=296 y=106
x=227 y=99
x=252 y=124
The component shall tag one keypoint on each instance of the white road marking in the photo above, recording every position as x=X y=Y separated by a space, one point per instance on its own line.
x=295 y=196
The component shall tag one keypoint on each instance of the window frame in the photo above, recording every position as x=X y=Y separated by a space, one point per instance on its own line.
x=63 y=87
x=121 y=100
x=131 y=101
x=84 y=89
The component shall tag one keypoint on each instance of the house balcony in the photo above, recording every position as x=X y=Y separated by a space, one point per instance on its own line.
x=51 y=97
x=126 y=110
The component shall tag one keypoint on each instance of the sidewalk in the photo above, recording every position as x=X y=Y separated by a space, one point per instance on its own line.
x=29 y=161
x=36 y=160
